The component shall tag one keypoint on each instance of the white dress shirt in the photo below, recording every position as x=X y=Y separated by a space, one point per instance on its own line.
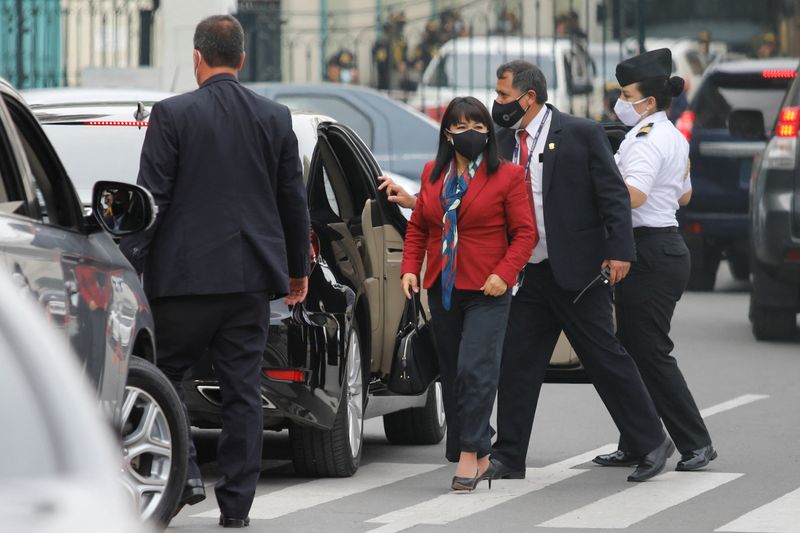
x=536 y=170
x=658 y=165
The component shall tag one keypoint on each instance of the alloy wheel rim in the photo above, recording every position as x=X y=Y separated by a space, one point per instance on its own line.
x=146 y=450
x=355 y=396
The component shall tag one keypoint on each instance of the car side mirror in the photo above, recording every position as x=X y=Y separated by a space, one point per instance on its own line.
x=122 y=208
x=747 y=124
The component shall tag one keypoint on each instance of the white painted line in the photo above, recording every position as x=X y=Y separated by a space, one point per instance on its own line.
x=779 y=516
x=642 y=501
x=455 y=506
x=319 y=491
x=732 y=404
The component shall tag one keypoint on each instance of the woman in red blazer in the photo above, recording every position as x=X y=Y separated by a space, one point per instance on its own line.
x=474 y=222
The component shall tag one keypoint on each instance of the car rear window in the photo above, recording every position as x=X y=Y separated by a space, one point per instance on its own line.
x=723 y=92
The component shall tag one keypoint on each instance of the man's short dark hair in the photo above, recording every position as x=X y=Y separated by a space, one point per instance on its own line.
x=525 y=77
x=220 y=40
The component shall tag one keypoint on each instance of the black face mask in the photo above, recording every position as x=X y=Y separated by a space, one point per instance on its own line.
x=508 y=115
x=470 y=143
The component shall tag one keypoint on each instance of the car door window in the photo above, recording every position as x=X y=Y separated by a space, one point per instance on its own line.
x=52 y=190
x=335 y=107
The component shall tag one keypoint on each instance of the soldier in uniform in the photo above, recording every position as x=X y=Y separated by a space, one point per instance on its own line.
x=654 y=162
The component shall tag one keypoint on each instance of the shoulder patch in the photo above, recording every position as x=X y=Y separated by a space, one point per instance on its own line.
x=645 y=130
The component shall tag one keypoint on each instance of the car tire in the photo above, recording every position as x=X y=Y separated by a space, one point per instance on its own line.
x=336 y=452
x=705 y=263
x=155 y=441
x=772 y=323
x=740 y=267
x=419 y=425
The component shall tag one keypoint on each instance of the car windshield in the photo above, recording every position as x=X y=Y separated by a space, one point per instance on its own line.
x=723 y=92
x=478 y=69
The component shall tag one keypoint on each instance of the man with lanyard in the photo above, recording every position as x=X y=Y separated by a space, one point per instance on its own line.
x=583 y=216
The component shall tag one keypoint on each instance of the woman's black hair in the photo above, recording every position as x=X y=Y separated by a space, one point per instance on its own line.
x=662 y=89
x=466 y=108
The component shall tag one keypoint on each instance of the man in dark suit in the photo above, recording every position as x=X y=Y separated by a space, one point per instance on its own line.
x=232 y=233
x=583 y=215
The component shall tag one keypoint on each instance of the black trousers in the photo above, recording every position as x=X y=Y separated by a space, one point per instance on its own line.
x=233 y=328
x=645 y=302
x=539 y=312
x=469 y=339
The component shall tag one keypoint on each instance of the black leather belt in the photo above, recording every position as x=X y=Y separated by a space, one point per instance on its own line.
x=644 y=230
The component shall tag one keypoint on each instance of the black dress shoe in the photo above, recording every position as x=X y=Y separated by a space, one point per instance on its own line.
x=502 y=471
x=225 y=521
x=653 y=463
x=617 y=458
x=193 y=493
x=696 y=459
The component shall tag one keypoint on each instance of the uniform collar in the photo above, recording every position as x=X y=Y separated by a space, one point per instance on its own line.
x=219 y=77
x=659 y=116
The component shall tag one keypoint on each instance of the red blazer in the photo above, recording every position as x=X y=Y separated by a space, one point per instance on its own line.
x=496 y=231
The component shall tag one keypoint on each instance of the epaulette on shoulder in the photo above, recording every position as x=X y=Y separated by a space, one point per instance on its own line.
x=645 y=130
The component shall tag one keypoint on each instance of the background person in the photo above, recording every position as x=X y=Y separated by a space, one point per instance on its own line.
x=231 y=233
x=583 y=218
x=473 y=221
x=654 y=162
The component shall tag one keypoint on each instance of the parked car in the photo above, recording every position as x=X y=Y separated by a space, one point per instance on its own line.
x=59 y=464
x=716 y=223
x=88 y=290
x=401 y=138
x=468 y=66
x=774 y=216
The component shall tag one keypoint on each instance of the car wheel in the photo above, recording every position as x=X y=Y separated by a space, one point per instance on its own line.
x=772 y=323
x=335 y=452
x=155 y=442
x=705 y=262
x=420 y=425
x=740 y=267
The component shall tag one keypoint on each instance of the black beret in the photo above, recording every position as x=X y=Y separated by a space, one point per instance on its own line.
x=652 y=64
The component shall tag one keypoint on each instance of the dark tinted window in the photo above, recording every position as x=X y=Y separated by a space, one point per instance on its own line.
x=723 y=92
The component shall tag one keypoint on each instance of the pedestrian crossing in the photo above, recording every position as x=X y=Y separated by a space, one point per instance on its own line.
x=621 y=506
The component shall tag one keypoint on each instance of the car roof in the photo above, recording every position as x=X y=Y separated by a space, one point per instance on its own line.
x=745 y=66
x=79 y=95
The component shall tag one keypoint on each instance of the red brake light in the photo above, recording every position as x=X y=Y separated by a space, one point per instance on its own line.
x=286 y=375
x=136 y=123
x=788 y=122
x=685 y=124
x=436 y=113
x=792 y=255
x=774 y=74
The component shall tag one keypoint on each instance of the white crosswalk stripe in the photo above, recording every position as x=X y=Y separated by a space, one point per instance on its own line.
x=455 y=506
x=779 y=516
x=642 y=501
x=313 y=493
x=732 y=404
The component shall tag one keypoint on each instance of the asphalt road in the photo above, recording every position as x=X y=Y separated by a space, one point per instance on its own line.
x=749 y=395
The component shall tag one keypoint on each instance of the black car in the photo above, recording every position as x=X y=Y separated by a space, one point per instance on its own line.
x=401 y=138
x=64 y=259
x=715 y=223
x=774 y=217
x=326 y=362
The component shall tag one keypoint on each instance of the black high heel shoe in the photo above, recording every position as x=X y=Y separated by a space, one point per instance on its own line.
x=470 y=483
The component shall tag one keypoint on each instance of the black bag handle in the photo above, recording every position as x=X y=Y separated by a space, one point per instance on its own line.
x=412 y=310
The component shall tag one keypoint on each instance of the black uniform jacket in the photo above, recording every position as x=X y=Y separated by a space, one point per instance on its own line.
x=587 y=207
x=223 y=167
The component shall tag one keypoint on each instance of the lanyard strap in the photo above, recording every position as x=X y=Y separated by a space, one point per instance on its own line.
x=533 y=147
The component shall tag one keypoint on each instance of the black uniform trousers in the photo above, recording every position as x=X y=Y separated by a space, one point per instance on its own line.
x=233 y=328
x=469 y=340
x=539 y=312
x=645 y=302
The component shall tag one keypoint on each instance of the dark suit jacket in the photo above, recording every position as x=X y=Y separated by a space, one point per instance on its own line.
x=224 y=170
x=587 y=208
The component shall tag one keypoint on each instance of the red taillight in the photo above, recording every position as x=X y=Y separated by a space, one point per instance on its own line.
x=436 y=113
x=776 y=74
x=685 y=124
x=792 y=255
x=313 y=252
x=788 y=122
x=136 y=123
x=694 y=228
x=286 y=375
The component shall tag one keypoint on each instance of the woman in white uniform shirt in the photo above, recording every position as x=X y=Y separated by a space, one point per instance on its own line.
x=654 y=162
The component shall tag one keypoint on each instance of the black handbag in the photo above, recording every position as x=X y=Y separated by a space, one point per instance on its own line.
x=416 y=363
